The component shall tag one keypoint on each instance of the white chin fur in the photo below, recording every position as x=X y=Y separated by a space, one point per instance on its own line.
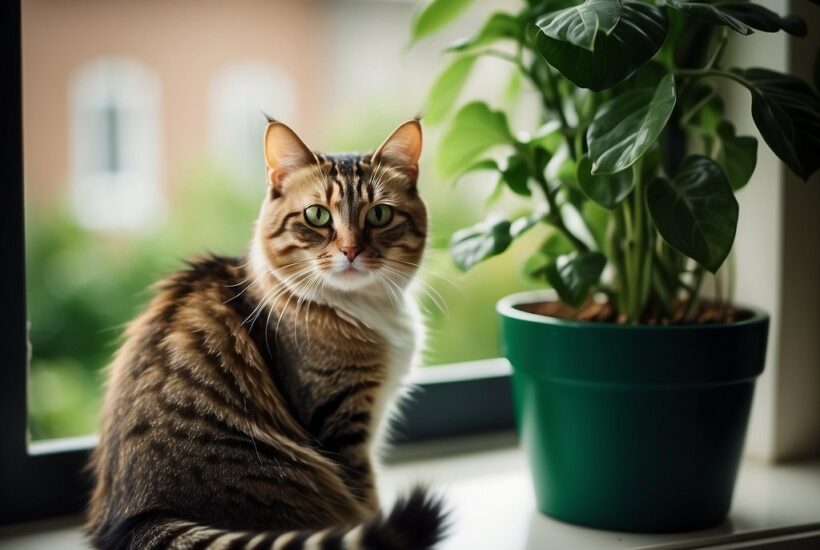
x=348 y=276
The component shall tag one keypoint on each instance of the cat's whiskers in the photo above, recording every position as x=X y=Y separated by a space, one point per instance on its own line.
x=285 y=307
x=312 y=293
x=257 y=278
x=305 y=295
x=275 y=288
x=290 y=291
x=405 y=280
x=389 y=291
x=427 y=269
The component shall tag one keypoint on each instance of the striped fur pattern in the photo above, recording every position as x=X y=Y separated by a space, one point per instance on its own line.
x=243 y=406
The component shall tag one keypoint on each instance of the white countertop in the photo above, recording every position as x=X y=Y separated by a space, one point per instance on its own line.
x=486 y=484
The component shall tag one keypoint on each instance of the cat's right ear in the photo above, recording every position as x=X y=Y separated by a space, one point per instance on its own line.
x=285 y=153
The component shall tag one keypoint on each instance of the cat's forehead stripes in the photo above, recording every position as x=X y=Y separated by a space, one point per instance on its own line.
x=348 y=183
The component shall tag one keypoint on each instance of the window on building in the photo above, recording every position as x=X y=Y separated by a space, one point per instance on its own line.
x=115 y=144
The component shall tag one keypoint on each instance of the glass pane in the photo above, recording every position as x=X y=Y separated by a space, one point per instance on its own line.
x=142 y=134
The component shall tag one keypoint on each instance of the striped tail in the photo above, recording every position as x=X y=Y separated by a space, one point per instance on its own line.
x=415 y=523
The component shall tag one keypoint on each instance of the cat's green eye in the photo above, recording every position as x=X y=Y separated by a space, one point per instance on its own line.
x=380 y=215
x=318 y=216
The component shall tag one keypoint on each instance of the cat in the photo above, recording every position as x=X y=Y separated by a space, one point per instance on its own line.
x=242 y=409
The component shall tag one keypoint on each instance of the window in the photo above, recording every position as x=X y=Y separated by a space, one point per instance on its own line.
x=115 y=144
x=131 y=165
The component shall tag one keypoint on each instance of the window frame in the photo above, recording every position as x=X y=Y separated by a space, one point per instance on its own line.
x=32 y=485
x=48 y=479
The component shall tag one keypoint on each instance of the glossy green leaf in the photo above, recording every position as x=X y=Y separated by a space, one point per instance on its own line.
x=573 y=275
x=516 y=174
x=432 y=15
x=556 y=244
x=488 y=238
x=561 y=167
x=787 y=113
x=446 y=89
x=499 y=26
x=579 y=25
x=472 y=245
x=636 y=38
x=474 y=129
x=737 y=155
x=741 y=17
x=764 y=19
x=696 y=212
x=548 y=136
x=525 y=223
x=626 y=127
x=608 y=190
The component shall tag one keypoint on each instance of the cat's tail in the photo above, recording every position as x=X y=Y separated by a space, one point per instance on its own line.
x=416 y=522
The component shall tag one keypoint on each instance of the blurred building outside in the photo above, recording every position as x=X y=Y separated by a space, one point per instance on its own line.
x=143 y=123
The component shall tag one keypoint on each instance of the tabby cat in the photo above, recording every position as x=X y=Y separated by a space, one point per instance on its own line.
x=243 y=406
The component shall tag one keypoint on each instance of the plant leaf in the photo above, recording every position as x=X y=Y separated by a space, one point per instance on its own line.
x=516 y=175
x=446 y=89
x=553 y=246
x=525 y=223
x=579 y=25
x=474 y=129
x=696 y=212
x=737 y=155
x=432 y=15
x=548 y=136
x=488 y=238
x=702 y=109
x=636 y=38
x=478 y=166
x=626 y=127
x=608 y=190
x=764 y=19
x=741 y=17
x=573 y=275
x=499 y=26
x=472 y=245
x=787 y=113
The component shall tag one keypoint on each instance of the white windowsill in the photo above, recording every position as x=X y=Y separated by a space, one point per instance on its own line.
x=486 y=484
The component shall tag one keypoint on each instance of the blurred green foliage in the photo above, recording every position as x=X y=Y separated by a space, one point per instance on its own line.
x=84 y=286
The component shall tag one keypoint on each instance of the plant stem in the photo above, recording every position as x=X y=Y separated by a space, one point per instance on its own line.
x=721 y=47
x=555 y=218
x=699 y=73
x=554 y=215
x=558 y=107
x=694 y=293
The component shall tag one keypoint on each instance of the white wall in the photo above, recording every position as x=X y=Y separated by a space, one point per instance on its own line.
x=777 y=208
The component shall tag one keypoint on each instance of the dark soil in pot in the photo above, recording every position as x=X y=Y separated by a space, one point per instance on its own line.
x=602 y=312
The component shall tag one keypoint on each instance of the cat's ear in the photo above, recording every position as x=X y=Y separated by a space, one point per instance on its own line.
x=285 y=153
x=402 y=149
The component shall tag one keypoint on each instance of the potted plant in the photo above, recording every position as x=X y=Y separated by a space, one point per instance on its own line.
x=632 y=390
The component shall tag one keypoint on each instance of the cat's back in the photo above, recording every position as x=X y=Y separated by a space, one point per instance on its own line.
x=190 y=400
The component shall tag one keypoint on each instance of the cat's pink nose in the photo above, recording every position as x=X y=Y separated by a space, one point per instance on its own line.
x=351 y=252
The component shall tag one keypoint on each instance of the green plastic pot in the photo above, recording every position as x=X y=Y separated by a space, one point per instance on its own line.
x=632 y=428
